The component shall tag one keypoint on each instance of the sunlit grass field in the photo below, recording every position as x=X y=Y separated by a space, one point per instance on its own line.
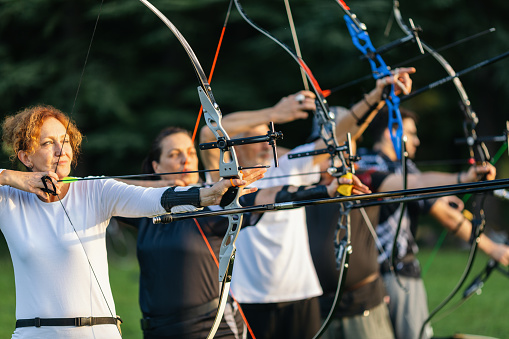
x=484 y=314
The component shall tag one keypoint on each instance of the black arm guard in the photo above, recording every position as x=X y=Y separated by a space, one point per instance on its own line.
x=172 y=198
x=303 y=193
x=362 y=119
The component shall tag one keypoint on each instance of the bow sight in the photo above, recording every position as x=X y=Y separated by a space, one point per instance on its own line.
x=334 y=151
x=224 y=144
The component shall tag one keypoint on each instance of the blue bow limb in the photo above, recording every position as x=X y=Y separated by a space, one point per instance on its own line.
x=361 y=40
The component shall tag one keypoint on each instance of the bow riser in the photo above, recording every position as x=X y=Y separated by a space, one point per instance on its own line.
x=361 y=40
x=228 y=248
x=213 y=116
x=379 y=69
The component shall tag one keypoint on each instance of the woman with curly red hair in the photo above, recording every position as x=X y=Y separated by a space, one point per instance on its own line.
x=56 y=231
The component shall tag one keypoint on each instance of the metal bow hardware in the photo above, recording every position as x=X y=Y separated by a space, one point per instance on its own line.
x=379 y=69
x=478 y=154
x=228 y=167
x=327 y=124
x=478 y=282
x=224 y=144
x=323 y=114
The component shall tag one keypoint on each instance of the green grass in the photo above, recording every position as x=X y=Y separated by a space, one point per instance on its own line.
x=124 y=277
x=8 y=299
x=483 y=314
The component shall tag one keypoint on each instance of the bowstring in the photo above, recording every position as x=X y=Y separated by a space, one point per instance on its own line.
x=296 y=42
x=61 y=151
x=213 y=67
x=345 y=210
x=81 y=77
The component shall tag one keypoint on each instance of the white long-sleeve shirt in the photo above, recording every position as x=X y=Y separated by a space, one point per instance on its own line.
x=53 y=276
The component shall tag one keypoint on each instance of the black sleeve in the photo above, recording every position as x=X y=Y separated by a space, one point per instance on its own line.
x=248 y=199
x=250 y=219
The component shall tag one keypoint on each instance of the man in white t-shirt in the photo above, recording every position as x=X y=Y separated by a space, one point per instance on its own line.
x=274 y=278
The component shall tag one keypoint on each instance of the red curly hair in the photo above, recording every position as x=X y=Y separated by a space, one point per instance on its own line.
x=21 y=132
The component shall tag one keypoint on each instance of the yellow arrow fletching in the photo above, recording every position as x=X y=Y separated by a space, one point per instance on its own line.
x=69 y=179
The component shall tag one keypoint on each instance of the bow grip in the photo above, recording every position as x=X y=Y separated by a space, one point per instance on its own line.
x=395 y=119
x=229 y=196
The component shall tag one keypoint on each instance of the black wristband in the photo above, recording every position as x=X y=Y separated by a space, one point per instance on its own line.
x=302 y=193
x=362 y=119
x=172 y=198
x=366 y=101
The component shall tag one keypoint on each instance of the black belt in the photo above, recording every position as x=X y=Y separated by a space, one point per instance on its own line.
x=369 y=279
x=78 y=321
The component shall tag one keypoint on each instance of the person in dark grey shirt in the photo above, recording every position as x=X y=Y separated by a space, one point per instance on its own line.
x=361 y=312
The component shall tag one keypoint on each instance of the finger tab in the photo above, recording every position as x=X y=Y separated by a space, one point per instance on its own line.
x=344 y=189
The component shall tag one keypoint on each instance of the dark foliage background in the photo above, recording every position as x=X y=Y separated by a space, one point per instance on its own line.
x=138 y=78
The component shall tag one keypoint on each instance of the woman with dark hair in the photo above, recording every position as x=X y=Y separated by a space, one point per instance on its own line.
x=178 y=269
x=164 y=158
x=55 y=231
x=178 y=274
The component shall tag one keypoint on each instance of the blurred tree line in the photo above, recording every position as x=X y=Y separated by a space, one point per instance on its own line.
x=138 y=78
